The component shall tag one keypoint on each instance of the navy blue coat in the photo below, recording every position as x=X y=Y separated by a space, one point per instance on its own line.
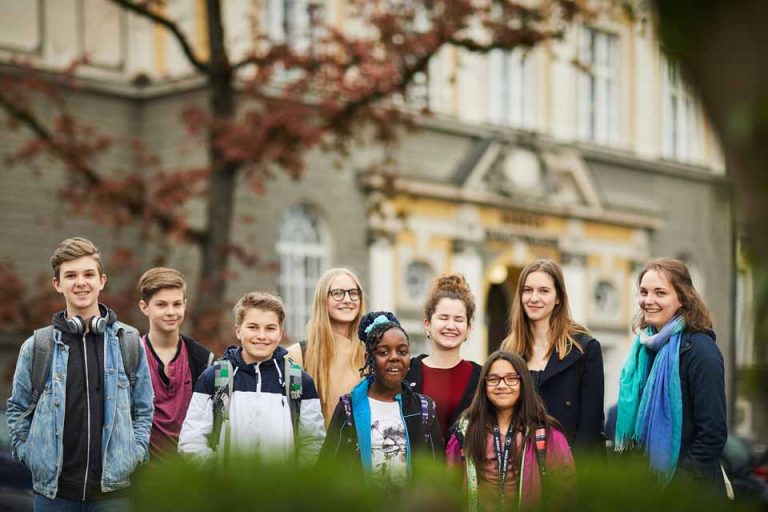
x=705 y=428
x=573 y=392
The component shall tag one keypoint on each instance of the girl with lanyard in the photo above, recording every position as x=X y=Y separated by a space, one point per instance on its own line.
x=565 y=361
x=331 y=348
x=382 y=424
x=443 y=375
x=672 y=388
x=505 y=440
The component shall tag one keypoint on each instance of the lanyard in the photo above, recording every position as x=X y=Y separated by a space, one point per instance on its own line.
x=502 y=457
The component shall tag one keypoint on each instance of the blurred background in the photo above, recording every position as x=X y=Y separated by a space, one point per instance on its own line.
x=252 y=144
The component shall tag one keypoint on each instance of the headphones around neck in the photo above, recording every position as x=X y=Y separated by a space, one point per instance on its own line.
x=96 y=324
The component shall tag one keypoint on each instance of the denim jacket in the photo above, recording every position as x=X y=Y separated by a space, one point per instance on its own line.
x=37 y=439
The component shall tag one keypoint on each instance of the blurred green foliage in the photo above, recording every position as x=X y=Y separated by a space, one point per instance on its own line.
x=246 y=484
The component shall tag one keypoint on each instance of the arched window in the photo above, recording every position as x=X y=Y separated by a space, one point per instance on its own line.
x=302 y=247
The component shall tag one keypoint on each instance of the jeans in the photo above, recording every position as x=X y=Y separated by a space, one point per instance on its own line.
x=43 y=504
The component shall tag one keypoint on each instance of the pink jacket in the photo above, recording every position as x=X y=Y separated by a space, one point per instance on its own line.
x=558 y=461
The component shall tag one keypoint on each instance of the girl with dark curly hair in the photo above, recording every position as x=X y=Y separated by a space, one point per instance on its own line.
x=382 y=423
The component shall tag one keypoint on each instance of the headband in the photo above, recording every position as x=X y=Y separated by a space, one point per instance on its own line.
x=381 y=319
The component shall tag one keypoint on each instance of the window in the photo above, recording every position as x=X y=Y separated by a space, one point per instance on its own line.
x=431 y=89
x=288 y=21
x=302 y=250
x=20 y=26
x=511 y=98
x=606 y=299
x=678 y=116
x=599 y=87
x=418 y=276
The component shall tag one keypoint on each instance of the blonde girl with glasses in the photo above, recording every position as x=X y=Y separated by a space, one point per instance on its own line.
x=505 y=442
x=330 y=354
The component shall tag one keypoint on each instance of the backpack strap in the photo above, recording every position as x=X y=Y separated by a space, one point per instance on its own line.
x=346 y=401
x=540 y=443
x=223 y=382
x=425 y=409
x=293 y=392
x=472 y=480
x=303 y=347
x=42 y=356
x=130 y=346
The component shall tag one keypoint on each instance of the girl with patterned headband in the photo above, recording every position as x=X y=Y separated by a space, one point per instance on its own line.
x=382 y=423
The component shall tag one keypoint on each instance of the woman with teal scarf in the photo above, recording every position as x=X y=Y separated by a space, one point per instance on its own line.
x=672 y=389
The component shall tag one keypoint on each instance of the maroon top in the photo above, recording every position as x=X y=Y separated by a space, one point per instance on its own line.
x=173 y=392
x=446 y=387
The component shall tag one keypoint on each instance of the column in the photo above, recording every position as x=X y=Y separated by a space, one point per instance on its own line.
x=469 y=262
x=382 y=274
x=577 y=284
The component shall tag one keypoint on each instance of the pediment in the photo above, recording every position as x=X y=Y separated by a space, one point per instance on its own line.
x=552 y=175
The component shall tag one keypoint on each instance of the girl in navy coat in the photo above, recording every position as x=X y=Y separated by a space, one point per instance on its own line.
x=565 y=361
x=672 y=389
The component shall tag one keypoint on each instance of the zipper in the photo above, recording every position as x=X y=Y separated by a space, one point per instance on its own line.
x=257 y=370
x=88 y=409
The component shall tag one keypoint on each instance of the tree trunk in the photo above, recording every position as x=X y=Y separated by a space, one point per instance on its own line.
x=215 y=257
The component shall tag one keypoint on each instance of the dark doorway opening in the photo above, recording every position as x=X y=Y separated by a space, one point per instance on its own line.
x=498 y=316
x=498 y=306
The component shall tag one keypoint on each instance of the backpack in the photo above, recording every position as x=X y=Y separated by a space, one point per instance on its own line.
x=42 y=358
x=223 y=382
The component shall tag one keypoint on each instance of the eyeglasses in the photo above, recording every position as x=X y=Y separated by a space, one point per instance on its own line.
x=338 y=294
x=510 y=380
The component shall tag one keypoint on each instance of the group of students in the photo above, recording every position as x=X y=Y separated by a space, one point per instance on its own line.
x=353 y=390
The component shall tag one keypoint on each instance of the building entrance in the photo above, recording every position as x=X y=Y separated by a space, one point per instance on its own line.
x=499 y=301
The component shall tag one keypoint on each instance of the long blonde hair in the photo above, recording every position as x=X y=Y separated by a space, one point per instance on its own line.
x=321 y=348
x=562 y=329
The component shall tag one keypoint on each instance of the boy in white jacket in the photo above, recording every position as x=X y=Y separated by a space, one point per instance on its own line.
x=260 y=404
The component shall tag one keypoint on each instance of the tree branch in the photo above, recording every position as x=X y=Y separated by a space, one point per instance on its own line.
x=527 y=40
x=166 y=222
x=247 y=61
x=172 y=27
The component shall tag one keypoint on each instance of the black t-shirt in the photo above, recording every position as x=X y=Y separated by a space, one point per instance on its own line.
x=83 y=416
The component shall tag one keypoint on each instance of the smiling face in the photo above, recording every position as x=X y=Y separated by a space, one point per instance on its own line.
x=658 y=299
x=392 y=358
x=260 y=333
x=502 y=396
x=80 y=281
x=165 y=310
x=344 y=311
x=448 y=327
x=539 y=296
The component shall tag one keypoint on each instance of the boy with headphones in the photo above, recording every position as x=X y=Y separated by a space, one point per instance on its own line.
x=84 y=432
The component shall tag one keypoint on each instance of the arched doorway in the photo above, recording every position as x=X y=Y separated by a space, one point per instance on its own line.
x=499 y=304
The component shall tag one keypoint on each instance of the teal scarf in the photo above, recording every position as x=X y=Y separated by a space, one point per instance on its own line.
x=650 y=409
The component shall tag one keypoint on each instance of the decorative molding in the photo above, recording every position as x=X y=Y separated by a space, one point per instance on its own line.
x=452 y=193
